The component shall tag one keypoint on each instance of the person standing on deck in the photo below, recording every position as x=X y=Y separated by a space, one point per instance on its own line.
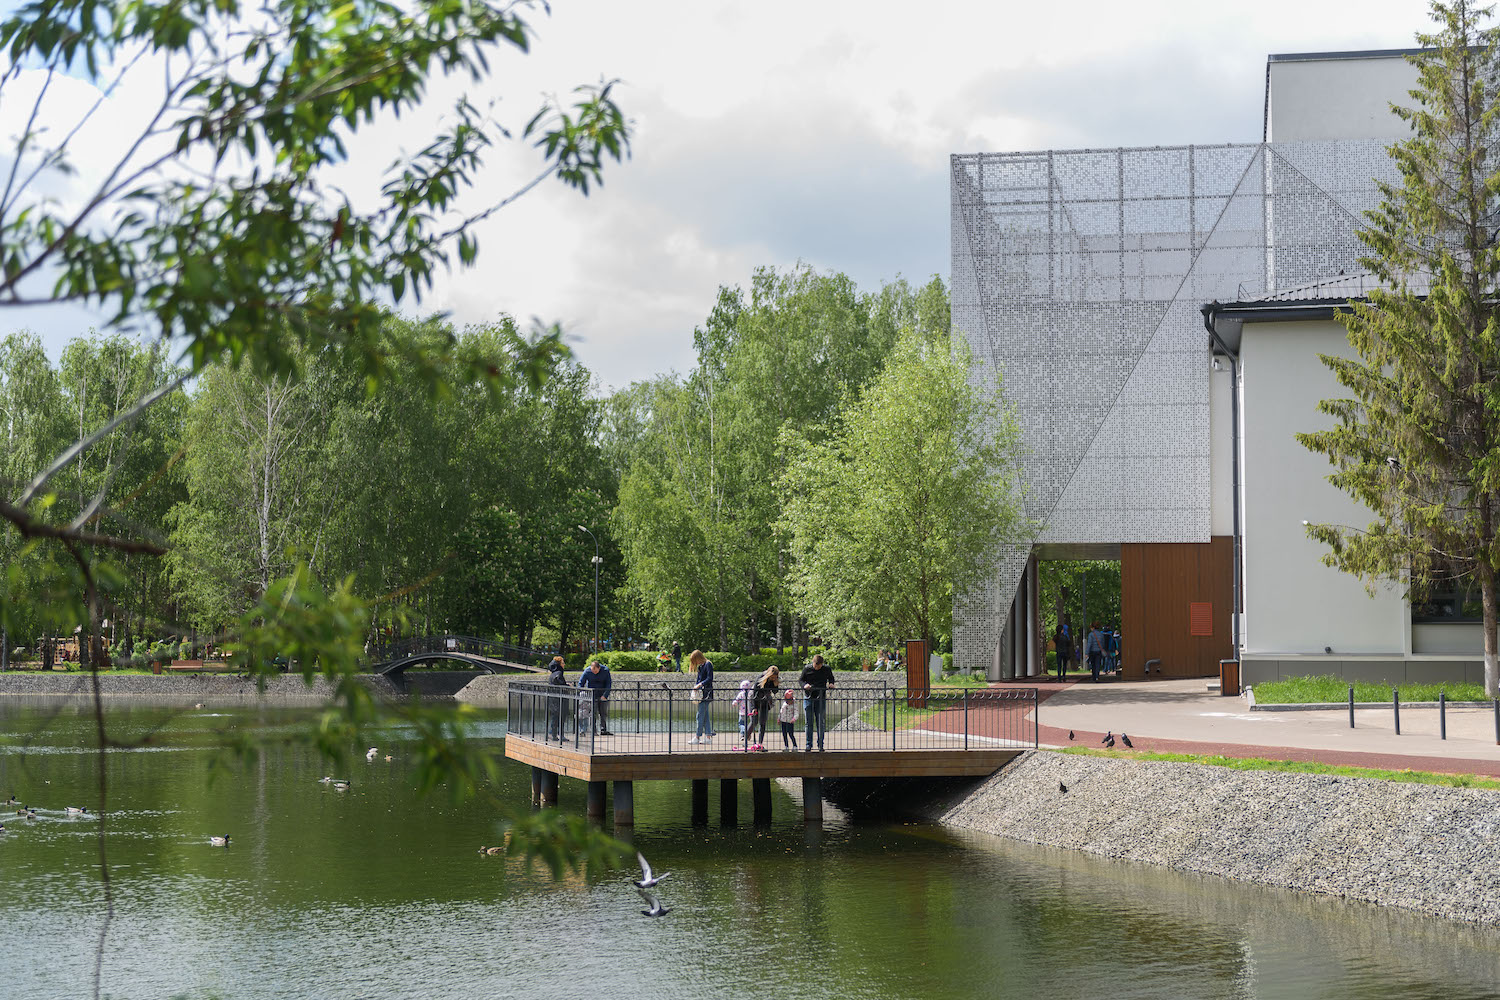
x=556 y=680
x=816 y=679
x=597 y=681
x=703 y=688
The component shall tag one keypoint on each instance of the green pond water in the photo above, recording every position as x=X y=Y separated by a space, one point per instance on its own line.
x=376 y=893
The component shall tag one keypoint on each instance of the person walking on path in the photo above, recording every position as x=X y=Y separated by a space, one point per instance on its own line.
x=786 y=714
x=763 y=697
x=558 y=682
x=1095 y=650
x=703 y=689
x=677 y=654
x=597 y=681
x=1064 y=643
x=816 y=679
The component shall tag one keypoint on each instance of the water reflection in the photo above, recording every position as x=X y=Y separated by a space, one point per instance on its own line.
x=375 y=893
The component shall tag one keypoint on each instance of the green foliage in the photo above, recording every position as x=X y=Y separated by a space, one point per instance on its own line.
x=1329 y=689
x=220 y=230
x=1294 y=767
x=1418 y=443
x=906 y=503
x=1071 y=583
x=699 y=508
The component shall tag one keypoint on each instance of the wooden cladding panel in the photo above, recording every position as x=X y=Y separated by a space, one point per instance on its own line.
x=1159 y=585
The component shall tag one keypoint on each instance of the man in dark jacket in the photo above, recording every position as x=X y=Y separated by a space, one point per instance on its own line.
x=816 y=679
x=556 y=716
x=597 y=681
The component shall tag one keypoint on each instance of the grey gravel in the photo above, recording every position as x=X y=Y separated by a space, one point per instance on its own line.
x=1432 y=849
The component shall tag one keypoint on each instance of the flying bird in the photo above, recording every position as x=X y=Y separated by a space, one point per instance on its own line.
x=372 y=753
x=219 y=841
x=1109 y=738
x=657 y=910
x=1126 y=740
x=648 y=879
x=1061 y=787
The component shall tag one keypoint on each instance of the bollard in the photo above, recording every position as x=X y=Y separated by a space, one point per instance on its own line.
x=1351 y=707
x=1442 y=715
x=1396 y=700
x=1497 y=722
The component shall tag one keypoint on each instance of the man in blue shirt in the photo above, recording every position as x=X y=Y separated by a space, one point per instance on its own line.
x=597 y=681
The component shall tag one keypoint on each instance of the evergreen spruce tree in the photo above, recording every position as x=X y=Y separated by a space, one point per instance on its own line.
x=1419 y=444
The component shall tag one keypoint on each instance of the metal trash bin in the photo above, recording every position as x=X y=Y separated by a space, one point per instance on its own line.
x=1229 y=677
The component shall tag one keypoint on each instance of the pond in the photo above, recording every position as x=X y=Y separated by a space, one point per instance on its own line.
x=377 y=893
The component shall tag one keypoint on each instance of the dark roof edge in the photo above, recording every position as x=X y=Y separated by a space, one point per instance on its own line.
x=1357 y=54
x=1275 y=311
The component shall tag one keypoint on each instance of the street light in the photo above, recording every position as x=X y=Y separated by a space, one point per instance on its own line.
x=597 y=561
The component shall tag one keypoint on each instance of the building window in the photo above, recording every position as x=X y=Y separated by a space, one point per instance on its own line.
x=1201 y=618
x=1450 y=598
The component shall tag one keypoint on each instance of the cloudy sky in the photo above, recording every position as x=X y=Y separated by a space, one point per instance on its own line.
x=773 y=132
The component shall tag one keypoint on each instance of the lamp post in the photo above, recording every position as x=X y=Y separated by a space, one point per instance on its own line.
x=597 y=561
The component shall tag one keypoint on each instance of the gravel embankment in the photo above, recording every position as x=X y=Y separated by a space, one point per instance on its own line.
x=1427 y=848
x=215 y=689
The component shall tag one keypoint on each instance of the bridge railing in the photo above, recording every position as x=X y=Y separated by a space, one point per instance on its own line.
x=417 y=645
x=656 y=717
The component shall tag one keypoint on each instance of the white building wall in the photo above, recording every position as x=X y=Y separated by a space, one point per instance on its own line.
x=1336 y=96
x=1293 y=603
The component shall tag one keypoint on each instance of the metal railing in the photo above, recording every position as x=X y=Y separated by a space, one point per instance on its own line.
x=657 y=717
x=418 y=645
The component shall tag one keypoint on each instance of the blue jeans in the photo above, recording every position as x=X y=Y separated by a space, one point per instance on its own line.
x=817 y=712
x=704 y=728
x=1096 y=660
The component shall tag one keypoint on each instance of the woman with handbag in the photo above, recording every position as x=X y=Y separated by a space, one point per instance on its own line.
x=760 y=705
x=703 y=690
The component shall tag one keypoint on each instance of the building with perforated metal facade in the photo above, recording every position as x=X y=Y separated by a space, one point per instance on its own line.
x=1079 y=279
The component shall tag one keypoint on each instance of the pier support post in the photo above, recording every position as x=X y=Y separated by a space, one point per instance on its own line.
x=760 y=796
x=549 y=787
x=812 y=799
x=624 y=803
x=536 y=784
x=597 y=790
x=729 y=801
x=700 y=801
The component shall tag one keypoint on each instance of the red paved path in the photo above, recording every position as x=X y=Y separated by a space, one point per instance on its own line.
x=1394 y=762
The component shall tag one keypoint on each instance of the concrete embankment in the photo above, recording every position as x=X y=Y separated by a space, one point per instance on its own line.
x=211 y=689
x=1432 y=849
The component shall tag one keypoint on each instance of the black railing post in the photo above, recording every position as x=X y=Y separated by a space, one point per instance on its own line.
x=1396 y=701
x=637 y=707
x=966 y=718
x=893 y=722
x=1351 y=706
x=1442 y=715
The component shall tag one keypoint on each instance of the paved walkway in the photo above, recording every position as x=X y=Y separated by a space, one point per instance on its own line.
x=1180 y=716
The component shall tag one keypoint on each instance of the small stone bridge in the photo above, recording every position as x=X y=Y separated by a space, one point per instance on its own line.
x=392 y=659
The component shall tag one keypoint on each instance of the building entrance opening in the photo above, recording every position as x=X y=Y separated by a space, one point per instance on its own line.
x=1080 y=612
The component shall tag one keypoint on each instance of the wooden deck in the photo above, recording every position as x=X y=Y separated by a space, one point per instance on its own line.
x=614 y=761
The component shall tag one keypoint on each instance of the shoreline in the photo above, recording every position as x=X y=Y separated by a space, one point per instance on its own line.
x=1423 y=848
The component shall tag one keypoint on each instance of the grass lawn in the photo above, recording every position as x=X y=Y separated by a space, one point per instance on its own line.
x=1314 y=690
x=1299 y=767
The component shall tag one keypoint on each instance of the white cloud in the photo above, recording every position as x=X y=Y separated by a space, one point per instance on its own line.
x=780 y=130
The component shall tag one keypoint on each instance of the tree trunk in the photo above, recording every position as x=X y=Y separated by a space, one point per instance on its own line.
x=1487 y=598
x=723 y=633
x=754 y=618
